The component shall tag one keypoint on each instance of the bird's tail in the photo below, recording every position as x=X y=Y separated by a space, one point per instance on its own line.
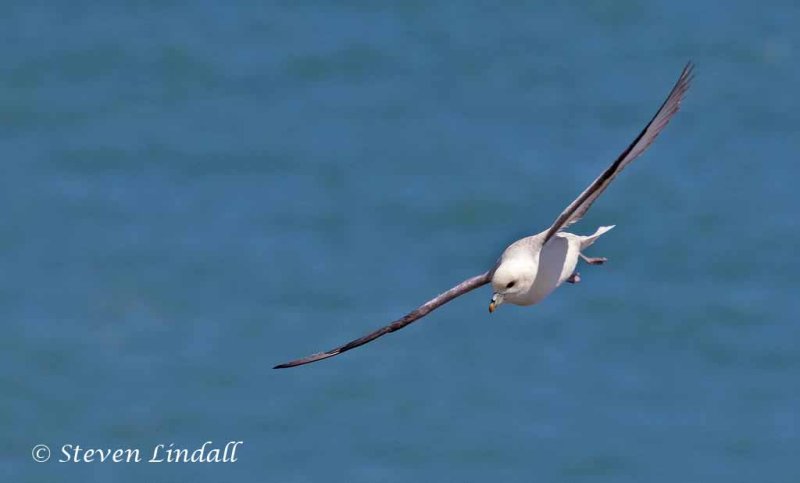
x=587 y=241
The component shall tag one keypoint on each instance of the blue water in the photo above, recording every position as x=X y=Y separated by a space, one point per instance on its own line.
x=194 y=192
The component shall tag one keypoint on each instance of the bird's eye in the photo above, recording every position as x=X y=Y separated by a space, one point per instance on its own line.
x=510 y=284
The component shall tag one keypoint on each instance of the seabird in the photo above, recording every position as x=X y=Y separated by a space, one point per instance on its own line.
x=531 y=268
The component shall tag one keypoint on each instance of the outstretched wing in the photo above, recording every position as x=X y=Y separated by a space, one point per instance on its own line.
x=580 y=206
x=420 y=312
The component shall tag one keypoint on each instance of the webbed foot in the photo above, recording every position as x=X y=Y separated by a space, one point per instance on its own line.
x=594 y=260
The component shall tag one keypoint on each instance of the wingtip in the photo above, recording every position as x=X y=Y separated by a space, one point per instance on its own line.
x=688 y=72
x=298 y=362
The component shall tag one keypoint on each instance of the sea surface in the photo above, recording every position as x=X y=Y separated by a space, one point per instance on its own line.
x=193 y=192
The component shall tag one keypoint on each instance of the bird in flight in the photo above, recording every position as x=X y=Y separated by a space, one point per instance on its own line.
x=531 y=268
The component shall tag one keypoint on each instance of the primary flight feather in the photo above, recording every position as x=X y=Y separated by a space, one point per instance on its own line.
x=531 y=268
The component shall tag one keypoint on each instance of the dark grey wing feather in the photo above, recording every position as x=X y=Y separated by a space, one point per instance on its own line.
x=421 y=311
x=580 y=206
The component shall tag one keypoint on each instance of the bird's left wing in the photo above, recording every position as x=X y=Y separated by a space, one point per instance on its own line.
x=420 y=312
x=580 y=206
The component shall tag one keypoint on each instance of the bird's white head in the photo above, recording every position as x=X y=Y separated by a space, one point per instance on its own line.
x=512 y=278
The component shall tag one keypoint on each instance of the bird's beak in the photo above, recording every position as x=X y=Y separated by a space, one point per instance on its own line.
x=497 y=299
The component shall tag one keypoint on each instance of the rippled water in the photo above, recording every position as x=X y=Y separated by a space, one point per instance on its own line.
x=193 y=193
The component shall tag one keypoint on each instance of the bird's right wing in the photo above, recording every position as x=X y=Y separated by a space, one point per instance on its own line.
x=420 y=312
x=580 y=206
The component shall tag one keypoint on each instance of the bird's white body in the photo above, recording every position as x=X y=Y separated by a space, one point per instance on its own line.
x=544 y=268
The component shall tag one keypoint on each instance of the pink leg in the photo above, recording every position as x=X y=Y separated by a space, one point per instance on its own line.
x=594 y=260
x=574 y=278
